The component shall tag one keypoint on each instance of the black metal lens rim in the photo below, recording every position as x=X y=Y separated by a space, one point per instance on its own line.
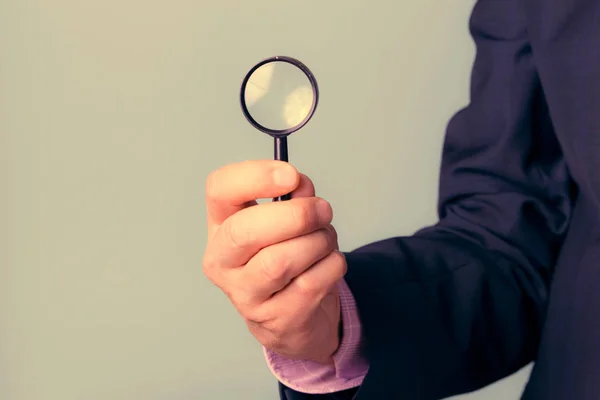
x=313 y=83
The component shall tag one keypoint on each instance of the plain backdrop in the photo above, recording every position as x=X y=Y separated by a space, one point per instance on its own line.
x=112 y=114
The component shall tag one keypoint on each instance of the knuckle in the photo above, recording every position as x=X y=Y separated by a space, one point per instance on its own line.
x=305 y=215
x=272 y=326
x=272 y=266
x=308 y=286
x=240 y=304
x=339 y=260
x=259 y=319
x=236 y=235
x=209 y=264
x=246 y=307
x=211 y=185
x=332 y=237
x=334 y=233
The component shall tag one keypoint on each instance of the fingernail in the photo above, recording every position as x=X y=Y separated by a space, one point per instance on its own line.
x=324 y=211
x=284 y=176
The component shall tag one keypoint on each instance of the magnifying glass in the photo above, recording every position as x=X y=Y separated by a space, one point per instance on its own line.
x=279 y=96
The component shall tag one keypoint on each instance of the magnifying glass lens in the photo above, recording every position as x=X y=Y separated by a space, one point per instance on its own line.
x=279 y=96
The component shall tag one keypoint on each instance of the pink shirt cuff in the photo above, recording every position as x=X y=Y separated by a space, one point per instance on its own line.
x=349 y=366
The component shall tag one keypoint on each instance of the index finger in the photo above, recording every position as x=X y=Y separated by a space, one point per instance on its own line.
x=237 y=186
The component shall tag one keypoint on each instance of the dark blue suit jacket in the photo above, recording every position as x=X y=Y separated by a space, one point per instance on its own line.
x=511 y=273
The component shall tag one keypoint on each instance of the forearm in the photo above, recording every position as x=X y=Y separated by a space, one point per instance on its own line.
x=442 y=316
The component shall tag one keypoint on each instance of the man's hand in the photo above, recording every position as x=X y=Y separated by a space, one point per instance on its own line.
x=278 y=262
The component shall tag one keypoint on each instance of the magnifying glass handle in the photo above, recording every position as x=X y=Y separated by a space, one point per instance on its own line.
x=281 y=154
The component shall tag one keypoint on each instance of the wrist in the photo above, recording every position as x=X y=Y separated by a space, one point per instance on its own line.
x=348 y=366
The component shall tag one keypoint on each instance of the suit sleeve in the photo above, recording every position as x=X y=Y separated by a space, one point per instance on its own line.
x=460 y=304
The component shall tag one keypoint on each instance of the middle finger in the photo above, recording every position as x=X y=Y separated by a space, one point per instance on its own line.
x=248 y=231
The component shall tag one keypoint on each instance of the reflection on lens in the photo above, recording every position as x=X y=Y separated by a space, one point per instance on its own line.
x=297 y=105
x=258 y=84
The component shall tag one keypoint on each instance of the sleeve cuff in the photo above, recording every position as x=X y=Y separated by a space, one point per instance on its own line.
x=349 y=366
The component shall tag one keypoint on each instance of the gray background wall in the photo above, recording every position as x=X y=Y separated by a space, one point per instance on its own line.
x=113 y=112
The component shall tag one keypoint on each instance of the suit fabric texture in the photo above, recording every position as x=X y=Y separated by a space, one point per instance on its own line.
x=510 y=273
